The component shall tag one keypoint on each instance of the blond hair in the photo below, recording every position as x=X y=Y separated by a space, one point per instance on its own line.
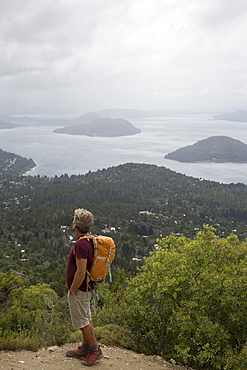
x=83 y=219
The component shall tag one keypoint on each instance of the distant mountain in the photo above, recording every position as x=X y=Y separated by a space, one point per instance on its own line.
x=91 y=124
x=239 y=116
x=84 y=119
x=135 y=113
x=55 y=122
x=213 y=149
x=111 y=113
x=87 y=118
x=15 y=119
x=7 y=125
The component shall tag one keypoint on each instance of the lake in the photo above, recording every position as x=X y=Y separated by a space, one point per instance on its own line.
x=57 y=154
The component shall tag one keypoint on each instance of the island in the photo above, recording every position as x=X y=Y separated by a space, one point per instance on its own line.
x=92 y=124
x=220 y=149
x=239 y=116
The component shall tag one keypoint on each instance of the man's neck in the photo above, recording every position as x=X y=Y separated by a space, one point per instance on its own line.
x=80 y=235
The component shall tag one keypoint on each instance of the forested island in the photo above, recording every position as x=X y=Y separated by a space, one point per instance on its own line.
x=104 y=127
x=220 y=149
x=192 y=285
x=92 y=124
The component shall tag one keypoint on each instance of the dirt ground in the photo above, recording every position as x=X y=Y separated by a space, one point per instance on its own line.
x=54 y=358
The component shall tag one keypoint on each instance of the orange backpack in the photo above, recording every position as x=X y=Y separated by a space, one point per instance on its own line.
x=104 y=253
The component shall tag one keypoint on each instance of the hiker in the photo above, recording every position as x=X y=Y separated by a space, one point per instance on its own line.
x=79 y=295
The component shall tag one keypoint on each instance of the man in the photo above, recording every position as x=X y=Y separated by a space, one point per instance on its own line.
x=80 y=261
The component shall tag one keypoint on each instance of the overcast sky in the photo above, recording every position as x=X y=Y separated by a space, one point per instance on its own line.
x=76 y=56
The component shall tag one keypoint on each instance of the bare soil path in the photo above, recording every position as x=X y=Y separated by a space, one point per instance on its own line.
x=54 y=358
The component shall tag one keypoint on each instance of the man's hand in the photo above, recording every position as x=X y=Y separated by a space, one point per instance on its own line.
x=72 y=292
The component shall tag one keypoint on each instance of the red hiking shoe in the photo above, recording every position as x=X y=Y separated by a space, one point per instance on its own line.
x=92 y=357
x=78 y=353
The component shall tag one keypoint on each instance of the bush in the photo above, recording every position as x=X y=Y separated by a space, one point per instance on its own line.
x=188 y=302
x=114 y=335
x=36 y=310
x=13 y=342
x=75 y=336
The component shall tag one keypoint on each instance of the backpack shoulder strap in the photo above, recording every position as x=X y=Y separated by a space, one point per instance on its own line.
x=92 y=237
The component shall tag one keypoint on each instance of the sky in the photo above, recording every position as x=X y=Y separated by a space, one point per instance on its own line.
x=75 y=56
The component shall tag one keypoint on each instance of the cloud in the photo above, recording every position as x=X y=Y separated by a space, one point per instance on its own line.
x=95 y=54
x=218 y=13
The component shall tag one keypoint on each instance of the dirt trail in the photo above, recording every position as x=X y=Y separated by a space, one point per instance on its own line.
x=54 y=358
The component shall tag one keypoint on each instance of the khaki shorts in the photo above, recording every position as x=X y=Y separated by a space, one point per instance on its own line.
x=79 y=307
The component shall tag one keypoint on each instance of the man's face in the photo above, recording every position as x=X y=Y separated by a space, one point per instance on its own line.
x=73 y=223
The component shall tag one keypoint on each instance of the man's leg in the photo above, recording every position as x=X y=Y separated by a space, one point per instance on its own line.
x=89 y=335
x=80 y=312
x=89 y=339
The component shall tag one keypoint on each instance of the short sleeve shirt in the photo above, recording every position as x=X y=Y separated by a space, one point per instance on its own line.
x=83 y=248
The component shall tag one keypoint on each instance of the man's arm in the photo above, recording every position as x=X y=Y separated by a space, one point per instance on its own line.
x=81 y=268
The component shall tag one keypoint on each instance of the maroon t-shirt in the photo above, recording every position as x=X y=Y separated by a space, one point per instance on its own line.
x=83 y=248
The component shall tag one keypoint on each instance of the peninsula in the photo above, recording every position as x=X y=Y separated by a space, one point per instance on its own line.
x=8 y=125
x=19 y=121
x=11 y=163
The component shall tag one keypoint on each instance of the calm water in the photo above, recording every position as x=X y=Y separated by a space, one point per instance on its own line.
x=56 y=154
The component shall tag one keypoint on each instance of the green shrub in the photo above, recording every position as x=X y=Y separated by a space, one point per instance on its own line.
x=37 y=310
x=114 y=335
x=75 y=336
x=13 y=342
x=238 y=360
x=188 y=302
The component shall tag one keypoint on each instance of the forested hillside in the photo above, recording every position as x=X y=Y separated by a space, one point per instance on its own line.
x=135 y=203
x=145 y=208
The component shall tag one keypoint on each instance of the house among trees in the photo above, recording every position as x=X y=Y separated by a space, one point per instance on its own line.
x=46 y=263
x=18 y=273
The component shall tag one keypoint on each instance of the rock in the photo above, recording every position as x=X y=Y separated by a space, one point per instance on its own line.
x=53 y=348
x=172 y=361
